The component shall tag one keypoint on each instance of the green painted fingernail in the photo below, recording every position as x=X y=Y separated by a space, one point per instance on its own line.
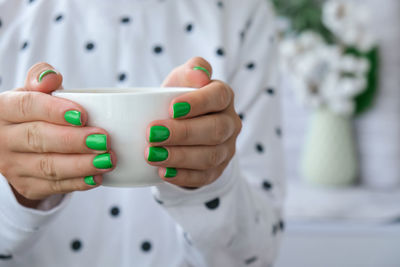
x=181 y=109
x=89 y=180
x=102 y=161
x=97 y=141
x=44 y=73
x=158 y=134
x=170 y=172
x=203 y=69
x=73 y=117
x=157 y=154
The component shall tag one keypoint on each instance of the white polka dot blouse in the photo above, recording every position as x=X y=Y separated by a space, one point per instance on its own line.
x=236 y=220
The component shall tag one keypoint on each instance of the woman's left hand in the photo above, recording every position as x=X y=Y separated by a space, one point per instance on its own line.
x=194 y=148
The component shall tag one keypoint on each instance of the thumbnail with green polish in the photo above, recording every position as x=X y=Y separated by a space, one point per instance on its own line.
x=203 y=69
x=44 y=73
x=157 y=154
x=89 y=180
x=73 y=117
x=102 y=161
x=170 y=172
x=158 y=134
x=97 y=141
x=181 y=109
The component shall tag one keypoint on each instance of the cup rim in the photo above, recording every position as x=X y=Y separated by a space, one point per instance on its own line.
x=122 y=90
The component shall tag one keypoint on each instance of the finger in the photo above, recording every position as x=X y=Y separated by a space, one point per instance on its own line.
x=60 y=166
x=213 y=97
x=211 y=129
x=17 y=107
x=42 y=77
x=190 y=178
x=188 y=157
x=195 y=73
x=43 y=137
x=36 y=188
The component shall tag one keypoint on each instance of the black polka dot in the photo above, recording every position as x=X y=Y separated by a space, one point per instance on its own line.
x=267 y=185
x=125 y=20
x=187 y=238
x=146 y=246
x=251 y=260
x=241 y=116
x=158 y=49
x=90 y=46
x=242 y=35
x=270 y=91
x=189 y=27
x=259 y=148
x=275 y=229
x=122 y=77
x=158 y=201
x=250 y=66
x=248 y=24
x=31 y=1
x=76 y=245
x=220 y=4
x=1 y=23
x=278 y=131
x=24 y=45
x=220 y=52
x=59 y=18
x=281 y=225
x=114 y=211
x=212 y=204
x=5 y=256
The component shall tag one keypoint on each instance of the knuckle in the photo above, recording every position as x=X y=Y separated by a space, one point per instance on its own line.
x=25 y=103
x=224 y=95
x=47 y=167
x=185 y=132
x=67 y=140
x=56 y=187
x=221 y=129
x=33 y=138
x=214 y=157
x=78 y=186
x=48 y=109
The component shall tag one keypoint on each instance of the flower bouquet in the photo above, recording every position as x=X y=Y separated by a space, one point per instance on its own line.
x=331 y=60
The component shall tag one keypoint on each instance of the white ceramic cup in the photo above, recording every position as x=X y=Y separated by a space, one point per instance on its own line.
x=125 y=114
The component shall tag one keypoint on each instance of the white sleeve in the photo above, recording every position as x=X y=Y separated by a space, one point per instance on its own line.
x=21 y=226
x=236 y=221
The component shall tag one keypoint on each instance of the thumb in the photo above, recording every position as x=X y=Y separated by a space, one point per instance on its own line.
x=194 y=73
x=42 y=77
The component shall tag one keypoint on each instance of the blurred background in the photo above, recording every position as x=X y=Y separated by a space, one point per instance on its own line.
x=340 y=65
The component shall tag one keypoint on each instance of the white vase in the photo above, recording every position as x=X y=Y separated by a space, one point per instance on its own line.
x=329 y=156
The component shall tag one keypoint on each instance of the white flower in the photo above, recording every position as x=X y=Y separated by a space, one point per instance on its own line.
x=349 y=22
x=322 y=75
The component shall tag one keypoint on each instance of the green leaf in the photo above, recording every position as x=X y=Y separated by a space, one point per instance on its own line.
x=365 y=100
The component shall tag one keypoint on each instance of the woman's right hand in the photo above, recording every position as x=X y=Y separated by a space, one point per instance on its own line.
x=44 y=146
